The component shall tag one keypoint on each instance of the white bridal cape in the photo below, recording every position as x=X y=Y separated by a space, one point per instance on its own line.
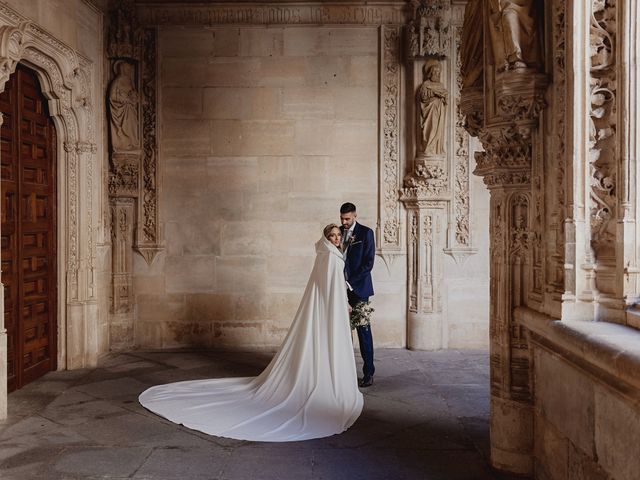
x=309 y=390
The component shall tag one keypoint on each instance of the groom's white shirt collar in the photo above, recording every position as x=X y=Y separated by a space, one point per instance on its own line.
x=349 y=232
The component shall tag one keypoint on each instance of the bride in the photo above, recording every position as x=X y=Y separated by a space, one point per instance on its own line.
x=309 y=390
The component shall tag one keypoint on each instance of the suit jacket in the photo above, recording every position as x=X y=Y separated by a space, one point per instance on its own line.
x=360 y=254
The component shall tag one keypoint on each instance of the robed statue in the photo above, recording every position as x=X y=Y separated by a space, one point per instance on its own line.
x=431 y=103
x=124 y=109
x=514 y=34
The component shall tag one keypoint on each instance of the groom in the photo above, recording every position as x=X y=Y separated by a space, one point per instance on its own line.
x=359 y=248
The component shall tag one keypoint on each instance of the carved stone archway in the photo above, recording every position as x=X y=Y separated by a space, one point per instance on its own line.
x=65 y=78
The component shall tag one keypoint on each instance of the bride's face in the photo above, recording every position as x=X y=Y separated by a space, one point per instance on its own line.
x=334 y=236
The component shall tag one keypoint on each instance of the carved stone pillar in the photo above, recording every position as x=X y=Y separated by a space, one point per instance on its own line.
x=502 y=107
x=426 y=220
x=436 y=188
x=122 y=226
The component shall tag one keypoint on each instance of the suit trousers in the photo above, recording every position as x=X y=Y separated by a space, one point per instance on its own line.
x=365 y=339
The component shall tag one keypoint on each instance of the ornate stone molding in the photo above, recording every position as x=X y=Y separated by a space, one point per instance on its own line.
x=148 y=244
x=389 y=210
x=461 y=184
x=557 y=215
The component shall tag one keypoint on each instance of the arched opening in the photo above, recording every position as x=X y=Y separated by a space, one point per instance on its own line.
x=28 y=229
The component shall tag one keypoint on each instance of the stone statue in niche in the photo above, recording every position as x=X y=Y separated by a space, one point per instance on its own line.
x=124 y=109
x=514 y=35
x=471 y=53
x=431 y=103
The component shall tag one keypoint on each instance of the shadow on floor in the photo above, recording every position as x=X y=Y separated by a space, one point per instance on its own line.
x=425 y=417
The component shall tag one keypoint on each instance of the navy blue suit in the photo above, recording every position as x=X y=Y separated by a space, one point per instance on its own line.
x=359 y=259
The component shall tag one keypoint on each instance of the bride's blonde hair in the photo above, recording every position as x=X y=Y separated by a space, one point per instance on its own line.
x=328 y=228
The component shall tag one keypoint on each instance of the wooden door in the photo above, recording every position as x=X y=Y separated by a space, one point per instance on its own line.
x=28 y=228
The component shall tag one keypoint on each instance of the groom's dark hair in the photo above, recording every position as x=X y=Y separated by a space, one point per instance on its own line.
x=347 y=208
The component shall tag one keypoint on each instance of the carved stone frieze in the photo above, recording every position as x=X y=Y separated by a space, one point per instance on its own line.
x=428 y=34
x=277 y=13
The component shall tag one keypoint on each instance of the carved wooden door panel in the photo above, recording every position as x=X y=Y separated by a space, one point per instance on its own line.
x=28 y=229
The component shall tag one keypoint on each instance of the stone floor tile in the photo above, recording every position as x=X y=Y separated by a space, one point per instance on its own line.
x=27 y=427
x=266 y=464
x=105 y=461
x=125 y=429
x=81 y=412
x=358 y=464
x=113 y=388
x=183 y=463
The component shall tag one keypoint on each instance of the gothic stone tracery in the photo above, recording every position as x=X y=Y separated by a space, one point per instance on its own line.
x=509 y=164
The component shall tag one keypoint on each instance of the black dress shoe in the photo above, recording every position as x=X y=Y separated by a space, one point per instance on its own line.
x=366 y=381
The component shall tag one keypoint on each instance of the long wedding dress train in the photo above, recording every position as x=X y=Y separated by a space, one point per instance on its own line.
x=308 y=390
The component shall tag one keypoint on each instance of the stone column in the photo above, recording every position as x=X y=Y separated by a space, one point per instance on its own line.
x=437 y=212
x=426 y=189
x=502 y=98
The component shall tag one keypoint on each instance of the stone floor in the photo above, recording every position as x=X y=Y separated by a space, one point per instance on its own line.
x=425 y=417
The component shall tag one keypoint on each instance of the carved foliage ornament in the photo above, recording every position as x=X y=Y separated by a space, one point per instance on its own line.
x=602 y=124
x=461 y=182
x=390 y=136
x=149 y=161
x=556 y=222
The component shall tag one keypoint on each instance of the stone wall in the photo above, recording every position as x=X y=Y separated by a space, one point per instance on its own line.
x=465 y=288
x=587 y=420
x=264 y=132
